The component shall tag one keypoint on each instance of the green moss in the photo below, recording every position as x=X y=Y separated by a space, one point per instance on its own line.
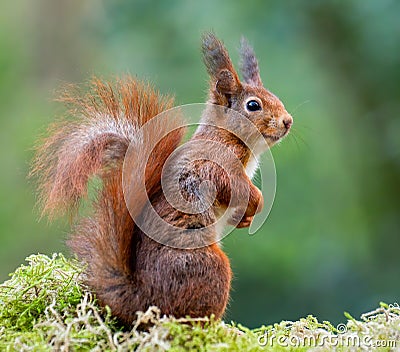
x=44 y=307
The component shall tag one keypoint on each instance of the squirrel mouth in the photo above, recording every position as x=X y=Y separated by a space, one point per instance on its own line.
x=272 y=137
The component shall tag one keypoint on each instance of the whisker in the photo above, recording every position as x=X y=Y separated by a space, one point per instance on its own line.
x=296 y=141
x=290 y=139
x=298 y=106
x=303 y=127
x=297 y=136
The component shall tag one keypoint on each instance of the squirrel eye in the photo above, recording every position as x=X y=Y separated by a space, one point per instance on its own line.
x=253 y=105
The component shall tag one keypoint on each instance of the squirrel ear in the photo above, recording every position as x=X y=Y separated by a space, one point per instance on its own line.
x=249 y=64
x=226 y=83
x=219 y=65
x=215 y=56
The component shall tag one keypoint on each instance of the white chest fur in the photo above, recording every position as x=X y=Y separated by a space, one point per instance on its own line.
x=251 y=166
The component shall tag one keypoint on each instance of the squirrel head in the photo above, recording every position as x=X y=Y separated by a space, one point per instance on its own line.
x=248 y=97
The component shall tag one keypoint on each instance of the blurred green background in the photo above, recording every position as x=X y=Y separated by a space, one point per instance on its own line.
x=331 y=243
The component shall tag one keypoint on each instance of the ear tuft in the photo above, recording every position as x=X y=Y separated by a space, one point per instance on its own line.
x=248 y=64
x=215 y=56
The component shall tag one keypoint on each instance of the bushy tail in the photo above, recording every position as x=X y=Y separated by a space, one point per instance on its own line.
x=94 y=143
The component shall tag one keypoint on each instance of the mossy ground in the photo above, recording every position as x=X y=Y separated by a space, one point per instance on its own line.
x=44 y=307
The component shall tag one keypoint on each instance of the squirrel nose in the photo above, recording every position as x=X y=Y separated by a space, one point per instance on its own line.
x=287 y=121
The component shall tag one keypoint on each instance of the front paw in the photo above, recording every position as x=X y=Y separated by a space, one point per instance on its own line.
x=256 y=203
x=245 y=222
x=239 y=219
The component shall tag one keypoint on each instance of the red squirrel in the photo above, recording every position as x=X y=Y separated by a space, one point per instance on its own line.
x=126 y=268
